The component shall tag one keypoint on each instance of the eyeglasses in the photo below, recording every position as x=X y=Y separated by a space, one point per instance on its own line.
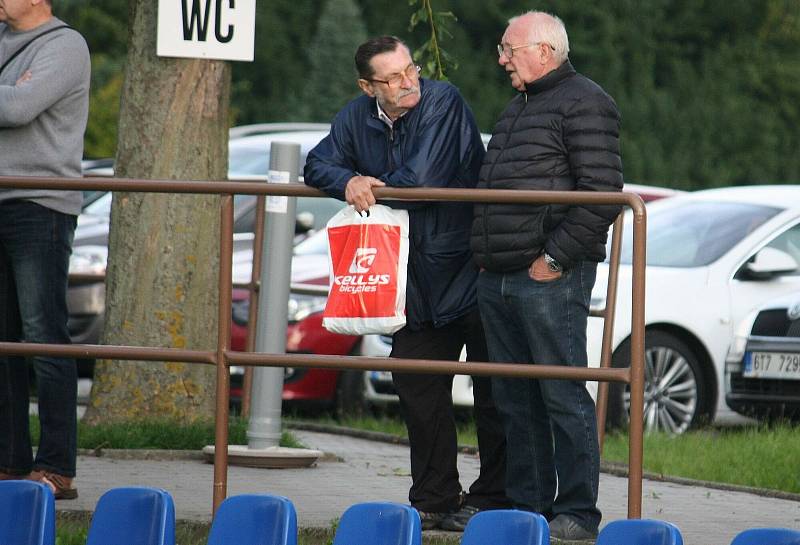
x=508 y=50
x=411 y=72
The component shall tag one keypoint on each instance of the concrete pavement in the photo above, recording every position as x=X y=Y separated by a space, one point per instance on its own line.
x=356 y=470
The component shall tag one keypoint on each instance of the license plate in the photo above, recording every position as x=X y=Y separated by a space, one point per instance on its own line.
x=777 y=365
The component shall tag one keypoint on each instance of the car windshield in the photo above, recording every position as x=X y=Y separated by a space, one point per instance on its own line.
x=248 y=161
x=696 y=233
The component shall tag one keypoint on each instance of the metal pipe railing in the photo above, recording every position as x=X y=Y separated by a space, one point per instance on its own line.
x=608 y=314
x=222 y=357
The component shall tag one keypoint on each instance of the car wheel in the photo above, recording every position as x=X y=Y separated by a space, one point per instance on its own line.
x=350 y=399
x=675 y=397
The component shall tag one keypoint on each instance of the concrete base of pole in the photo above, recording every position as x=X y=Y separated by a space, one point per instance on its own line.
x=271 y=457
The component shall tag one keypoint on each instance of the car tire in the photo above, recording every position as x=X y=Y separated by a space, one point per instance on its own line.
x=676 y=401
x=350 y=400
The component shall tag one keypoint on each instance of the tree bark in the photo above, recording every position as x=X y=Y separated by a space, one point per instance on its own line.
x=163 y=266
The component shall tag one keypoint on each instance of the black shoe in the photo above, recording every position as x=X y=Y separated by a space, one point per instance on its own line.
x=431 y=520
x=565 y=528
x=456 y=522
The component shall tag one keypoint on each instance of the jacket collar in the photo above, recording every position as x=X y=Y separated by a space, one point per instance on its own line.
x=551 y=79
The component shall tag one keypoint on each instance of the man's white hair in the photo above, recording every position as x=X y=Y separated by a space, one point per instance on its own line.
x=546 y=28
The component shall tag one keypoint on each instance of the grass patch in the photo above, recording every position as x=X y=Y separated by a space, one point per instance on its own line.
x=159 y=434
x=392 y=425
x=759 y=456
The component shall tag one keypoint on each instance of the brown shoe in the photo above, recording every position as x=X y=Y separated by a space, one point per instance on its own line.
x=59 y=484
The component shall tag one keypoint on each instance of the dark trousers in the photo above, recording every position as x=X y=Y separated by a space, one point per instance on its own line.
x=553 y=457
x=427 y=407
x=35 y=245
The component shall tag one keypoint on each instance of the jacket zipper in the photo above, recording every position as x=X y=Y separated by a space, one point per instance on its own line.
x=391 y=148
x=489 y=178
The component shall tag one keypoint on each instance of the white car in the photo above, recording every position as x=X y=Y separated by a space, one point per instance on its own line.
x=712 y=256
x=762 y=373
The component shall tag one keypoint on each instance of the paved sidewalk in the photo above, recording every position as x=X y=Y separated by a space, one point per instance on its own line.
x=362 y=470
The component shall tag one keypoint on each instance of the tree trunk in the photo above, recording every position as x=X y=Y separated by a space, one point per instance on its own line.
x=161 y=282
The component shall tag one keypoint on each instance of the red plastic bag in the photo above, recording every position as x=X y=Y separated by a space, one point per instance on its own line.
x=369 y=260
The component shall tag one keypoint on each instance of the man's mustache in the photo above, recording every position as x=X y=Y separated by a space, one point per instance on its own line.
x=412 y=91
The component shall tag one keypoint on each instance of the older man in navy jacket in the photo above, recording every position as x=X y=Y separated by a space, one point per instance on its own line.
x=408 y=132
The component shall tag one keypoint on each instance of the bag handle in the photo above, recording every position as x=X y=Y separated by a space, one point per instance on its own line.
x=21 y=49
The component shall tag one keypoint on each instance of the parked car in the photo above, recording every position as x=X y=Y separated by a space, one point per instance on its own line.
x=712 y=256
x=762 y=372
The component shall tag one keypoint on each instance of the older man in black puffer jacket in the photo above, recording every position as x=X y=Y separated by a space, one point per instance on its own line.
x=538 y=268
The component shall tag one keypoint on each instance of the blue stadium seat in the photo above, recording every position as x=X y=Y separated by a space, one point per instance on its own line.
x=28 y=513
x=506 y=527
x=254 y=519
x=767 y=536
x=133 y=516
x=379 y=523
x=639 y=532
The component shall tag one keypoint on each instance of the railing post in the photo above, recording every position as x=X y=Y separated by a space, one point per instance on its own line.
x=636 y=428
x=252 y=315
x=223 y=343
x=609 y=315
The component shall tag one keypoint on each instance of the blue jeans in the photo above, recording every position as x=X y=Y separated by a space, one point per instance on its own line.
x=35 y=245
x=553 y=461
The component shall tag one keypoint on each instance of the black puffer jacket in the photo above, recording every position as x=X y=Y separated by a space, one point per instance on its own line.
x=561 y=135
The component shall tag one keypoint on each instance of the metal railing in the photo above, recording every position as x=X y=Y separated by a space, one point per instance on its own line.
x=223 y=357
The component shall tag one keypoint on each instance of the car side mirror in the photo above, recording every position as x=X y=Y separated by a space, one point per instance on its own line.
x=304 y=223
x=768 y=263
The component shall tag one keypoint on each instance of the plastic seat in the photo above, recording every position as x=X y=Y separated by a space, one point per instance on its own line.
x=28 y=513
x=506 y=527
x=639 y=532
x=379 y=523
x=767 y=536
x=133 y=516
x=254 y=519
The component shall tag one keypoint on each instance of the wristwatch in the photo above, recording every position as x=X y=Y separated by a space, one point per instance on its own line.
x=552 y=264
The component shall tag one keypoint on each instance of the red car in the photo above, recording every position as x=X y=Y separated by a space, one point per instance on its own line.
x=315 y=388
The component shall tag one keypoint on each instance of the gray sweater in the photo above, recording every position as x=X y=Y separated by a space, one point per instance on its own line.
x=42 y=120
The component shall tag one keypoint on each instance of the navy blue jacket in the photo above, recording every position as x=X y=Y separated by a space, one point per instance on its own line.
x=435 y=144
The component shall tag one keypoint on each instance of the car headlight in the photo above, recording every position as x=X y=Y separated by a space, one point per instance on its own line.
x=88 y=260
x=733 y=362
x=300 y=307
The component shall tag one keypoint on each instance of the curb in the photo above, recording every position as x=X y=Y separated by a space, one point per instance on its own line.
x=616 y=469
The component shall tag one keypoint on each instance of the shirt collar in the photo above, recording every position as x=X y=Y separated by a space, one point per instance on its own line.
x=382 y=115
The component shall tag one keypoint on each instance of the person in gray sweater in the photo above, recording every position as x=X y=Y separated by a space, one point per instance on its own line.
x=44 y=104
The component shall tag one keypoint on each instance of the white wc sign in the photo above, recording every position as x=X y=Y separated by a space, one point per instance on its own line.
x=207 y=29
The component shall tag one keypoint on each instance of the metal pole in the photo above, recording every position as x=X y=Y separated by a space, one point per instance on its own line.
x=264 y=428
x=636 y=428
x=609 y=315
x=223 y=343
x=252 y=315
